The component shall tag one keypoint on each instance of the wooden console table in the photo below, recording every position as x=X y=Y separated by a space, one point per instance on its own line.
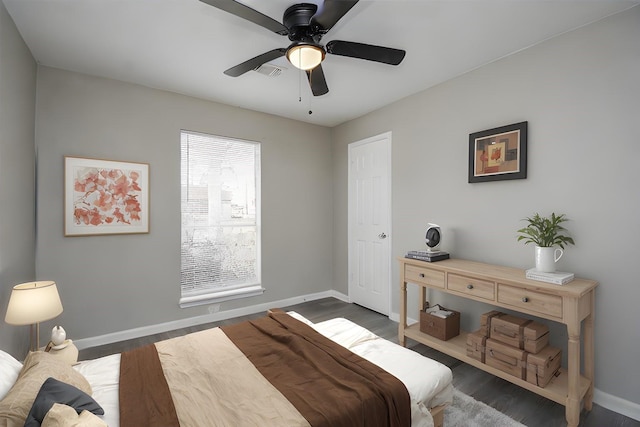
x=570 y=304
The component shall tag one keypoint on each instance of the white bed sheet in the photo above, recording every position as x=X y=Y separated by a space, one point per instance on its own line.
x=103 y=375
x=429 y=382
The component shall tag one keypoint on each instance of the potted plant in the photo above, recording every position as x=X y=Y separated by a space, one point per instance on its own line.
x=546 y=233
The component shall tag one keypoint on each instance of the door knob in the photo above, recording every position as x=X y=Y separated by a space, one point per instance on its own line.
x=382 y=235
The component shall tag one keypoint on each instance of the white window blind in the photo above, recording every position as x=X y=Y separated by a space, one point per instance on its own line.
x=220 y=205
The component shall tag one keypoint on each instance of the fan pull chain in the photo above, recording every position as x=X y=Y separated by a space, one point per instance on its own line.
x=310 y=80
x=300 y=78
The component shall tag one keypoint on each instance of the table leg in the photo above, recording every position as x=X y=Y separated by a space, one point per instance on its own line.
x=402 y=322
x=573 y=361
x=589 y=359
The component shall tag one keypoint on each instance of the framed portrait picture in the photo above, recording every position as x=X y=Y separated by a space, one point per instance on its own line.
x=105 y=197
x=498 y=154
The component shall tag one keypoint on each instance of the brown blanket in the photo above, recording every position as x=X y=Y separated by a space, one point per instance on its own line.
x=144 y=390
x=326 y=383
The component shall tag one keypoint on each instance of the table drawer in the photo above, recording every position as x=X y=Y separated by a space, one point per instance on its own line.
x=471 y=287
x=545 y=304
x=427 y=276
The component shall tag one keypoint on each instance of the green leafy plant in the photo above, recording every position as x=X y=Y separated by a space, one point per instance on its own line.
x=545 y=231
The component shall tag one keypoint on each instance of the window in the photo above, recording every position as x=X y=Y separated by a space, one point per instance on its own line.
x=220 y=206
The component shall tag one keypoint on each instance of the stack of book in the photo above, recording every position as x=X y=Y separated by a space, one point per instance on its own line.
x=429 y=256
x=557 y=278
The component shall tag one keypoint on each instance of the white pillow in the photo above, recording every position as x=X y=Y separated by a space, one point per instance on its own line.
x=9 y=370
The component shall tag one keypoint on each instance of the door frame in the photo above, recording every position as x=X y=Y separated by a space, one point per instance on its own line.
x=387 y=138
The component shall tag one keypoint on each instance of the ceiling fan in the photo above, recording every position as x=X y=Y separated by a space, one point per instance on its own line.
x=305 y=25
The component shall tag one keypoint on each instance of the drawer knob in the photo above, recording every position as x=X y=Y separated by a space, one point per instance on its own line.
x=421 y=274
x=469 y=286
x=525 y=299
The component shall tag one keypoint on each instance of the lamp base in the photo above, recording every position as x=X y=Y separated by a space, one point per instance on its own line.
x=34 y=333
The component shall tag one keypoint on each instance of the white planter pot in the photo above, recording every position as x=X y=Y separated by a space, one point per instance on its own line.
x=546 y=258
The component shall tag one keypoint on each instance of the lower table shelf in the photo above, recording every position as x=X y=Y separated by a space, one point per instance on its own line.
x=556 y=390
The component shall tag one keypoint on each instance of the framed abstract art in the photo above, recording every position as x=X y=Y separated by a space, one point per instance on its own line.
x=498 y=154
x=105 y=197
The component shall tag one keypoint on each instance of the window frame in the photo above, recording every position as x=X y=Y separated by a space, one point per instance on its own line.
x=209 y=295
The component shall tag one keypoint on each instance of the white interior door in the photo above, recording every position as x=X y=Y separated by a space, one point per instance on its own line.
x=370 y=222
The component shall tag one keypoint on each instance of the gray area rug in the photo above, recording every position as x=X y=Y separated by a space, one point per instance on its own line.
x=468 y=412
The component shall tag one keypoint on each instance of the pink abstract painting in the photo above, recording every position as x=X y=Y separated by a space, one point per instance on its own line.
x=106 y=198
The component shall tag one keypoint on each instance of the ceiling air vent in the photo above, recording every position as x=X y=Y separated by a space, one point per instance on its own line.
x=270 y=70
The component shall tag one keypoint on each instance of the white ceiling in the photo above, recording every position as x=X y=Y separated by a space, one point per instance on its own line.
x=185 y=45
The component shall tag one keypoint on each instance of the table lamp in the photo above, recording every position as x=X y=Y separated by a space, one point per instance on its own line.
x=31 y=303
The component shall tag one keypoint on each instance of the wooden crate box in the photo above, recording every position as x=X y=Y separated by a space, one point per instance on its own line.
x=541 y=367
x=485 y=321
x=509 y=330
x=476 y=345
x=536 y=337
x=506 y=358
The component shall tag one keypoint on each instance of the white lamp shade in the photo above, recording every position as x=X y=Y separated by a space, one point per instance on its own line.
x=305 y=57
x=33 y=302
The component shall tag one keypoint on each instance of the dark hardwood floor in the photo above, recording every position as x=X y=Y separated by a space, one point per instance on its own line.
x=516 y=402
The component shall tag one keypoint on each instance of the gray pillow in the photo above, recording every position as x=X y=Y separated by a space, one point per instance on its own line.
x=54 y=391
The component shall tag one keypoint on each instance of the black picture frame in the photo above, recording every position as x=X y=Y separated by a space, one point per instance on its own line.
x=498 y=154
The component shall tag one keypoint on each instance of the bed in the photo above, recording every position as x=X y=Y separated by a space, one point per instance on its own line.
x=428 y=383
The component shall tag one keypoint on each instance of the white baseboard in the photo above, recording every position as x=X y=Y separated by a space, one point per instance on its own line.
x=617 y=404
x=199 y=320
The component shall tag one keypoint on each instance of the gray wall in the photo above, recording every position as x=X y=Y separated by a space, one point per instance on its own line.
x=17 y=171
x=580 y=94
x=114 y=283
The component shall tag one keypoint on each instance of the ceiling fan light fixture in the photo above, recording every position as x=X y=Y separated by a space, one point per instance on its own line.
x=305 y=56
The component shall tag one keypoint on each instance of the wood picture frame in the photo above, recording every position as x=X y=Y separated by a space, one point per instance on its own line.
x=105 y=197
x=498 y=154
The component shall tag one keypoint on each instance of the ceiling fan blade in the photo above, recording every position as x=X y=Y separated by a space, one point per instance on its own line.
x=317 y=81
x=330 y=12
x=369 y=52
x=245 y=12
x=254 y=63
